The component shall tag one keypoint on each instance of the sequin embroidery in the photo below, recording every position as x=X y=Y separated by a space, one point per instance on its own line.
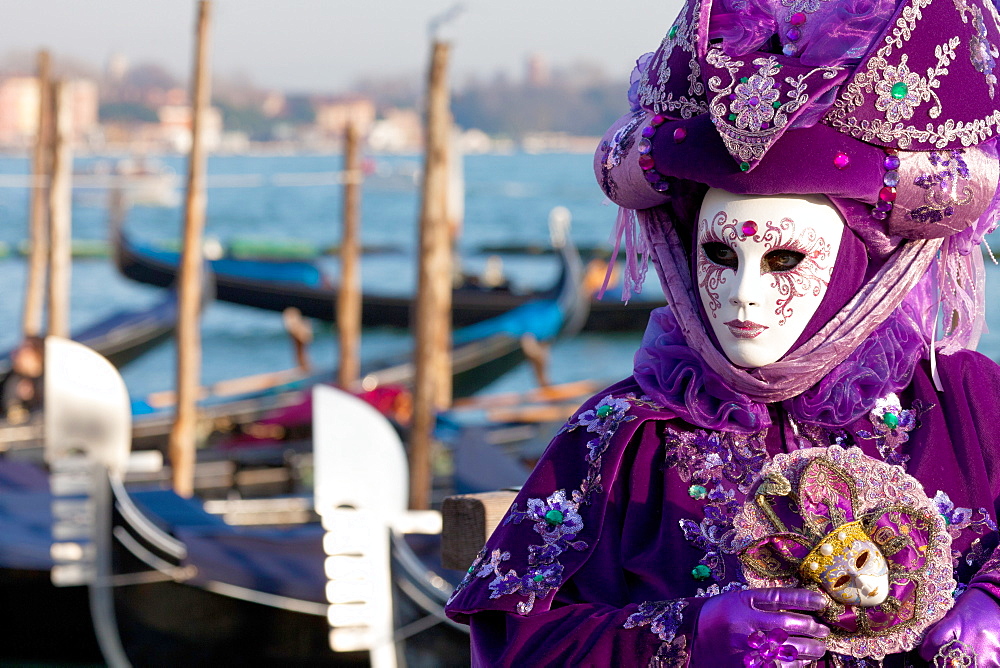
x=945 y=189
x=747 y=111
x=663 y=618
x=556 y=518
x=982 y=53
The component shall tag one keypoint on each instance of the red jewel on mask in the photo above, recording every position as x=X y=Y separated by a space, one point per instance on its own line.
x=749 y=228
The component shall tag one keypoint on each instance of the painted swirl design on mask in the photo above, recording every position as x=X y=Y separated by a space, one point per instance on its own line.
x=810 y=276
x=713 y=275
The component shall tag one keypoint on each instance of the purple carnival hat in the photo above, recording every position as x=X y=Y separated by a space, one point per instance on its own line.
x=888 y=108
x=821 y=517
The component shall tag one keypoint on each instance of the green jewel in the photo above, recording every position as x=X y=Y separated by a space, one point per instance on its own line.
x=776 y=105
x=899 y=90
x=538 y=578
x=743 y=80
x=701 y=572
x=471 y=568
x=673 y=32
x=603 y=411
x=697 y=492
x=554 y=517
x=891 y=420
x=744 y=166
x=732 y=117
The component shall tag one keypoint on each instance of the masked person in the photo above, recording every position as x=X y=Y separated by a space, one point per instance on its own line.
x=803 y=468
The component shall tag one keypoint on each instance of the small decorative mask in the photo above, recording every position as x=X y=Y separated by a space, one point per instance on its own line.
x=763 y=267
x=860 y=530
x=849 y=567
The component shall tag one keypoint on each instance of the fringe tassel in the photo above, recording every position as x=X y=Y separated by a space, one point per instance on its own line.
x=627 y=228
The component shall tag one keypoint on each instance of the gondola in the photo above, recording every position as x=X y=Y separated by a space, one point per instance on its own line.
x=170 y=584
x=124 y=335
x=278 y=284
x=481 y=353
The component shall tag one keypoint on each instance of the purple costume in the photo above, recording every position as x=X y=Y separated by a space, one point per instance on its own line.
x=626 y=531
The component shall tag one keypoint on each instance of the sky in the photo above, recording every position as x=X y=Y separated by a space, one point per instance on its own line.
x=326 y=45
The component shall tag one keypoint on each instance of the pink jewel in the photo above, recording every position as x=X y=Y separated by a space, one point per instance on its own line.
x=680 y=134
x=887 y=194
x=841 y=161
x=749 y=228
x=646 y=162
x=797 y=19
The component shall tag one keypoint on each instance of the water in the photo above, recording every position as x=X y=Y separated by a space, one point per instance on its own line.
x=508 y=199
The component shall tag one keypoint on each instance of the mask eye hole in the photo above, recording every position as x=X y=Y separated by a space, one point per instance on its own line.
x=782 y=259
x=862 y=559
x=841 y=582
x=720 y=254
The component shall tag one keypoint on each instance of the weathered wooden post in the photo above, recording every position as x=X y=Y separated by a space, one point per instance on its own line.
x=182 y=435
x=38 y=234
x=60 y=211
x=432 y=383
x=349 y=292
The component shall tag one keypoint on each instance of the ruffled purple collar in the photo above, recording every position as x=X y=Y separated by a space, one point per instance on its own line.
x=676 y=376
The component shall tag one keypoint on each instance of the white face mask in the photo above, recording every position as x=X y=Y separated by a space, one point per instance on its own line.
x=859 y=577
x=764 y=264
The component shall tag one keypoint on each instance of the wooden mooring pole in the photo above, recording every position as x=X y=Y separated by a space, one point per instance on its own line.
x=432 y=384
x=60 y=211
x=183 y=434
x=349 y=292
x=38 y=234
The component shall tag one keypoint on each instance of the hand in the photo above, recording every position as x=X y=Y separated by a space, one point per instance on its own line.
x=727 y=622
x=975 y=622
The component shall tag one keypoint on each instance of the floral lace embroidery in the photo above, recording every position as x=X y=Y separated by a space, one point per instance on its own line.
x=655 y=97
x=671 y=655
x=663 y=618
x=911 y=90
x=715 y=590
x=892 y=427
x=982 y=53
x=962 y=519
x=993 y=564
x=747 y=111
x=556 y=519
x=707 y=459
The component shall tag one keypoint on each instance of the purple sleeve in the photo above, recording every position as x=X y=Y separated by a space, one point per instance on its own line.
x=972 y=381
x=588 y=634
x=988 y=577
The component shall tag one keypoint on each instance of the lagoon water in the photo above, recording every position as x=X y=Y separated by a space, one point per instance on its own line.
x=508 y=199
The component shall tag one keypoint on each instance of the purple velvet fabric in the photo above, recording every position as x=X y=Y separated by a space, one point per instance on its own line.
x=645 y=498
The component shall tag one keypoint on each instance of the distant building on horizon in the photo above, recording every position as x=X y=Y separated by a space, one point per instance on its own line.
x=19 y=99
x=333 y=115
